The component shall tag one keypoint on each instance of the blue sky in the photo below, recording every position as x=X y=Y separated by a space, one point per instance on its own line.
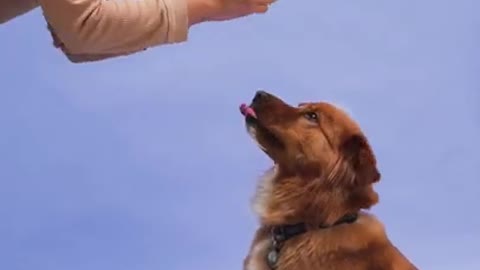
x=143 y=162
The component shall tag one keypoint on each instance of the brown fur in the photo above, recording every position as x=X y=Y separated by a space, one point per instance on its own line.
x=324 y=168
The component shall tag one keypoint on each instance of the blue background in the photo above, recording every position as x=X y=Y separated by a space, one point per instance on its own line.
x=143 y=162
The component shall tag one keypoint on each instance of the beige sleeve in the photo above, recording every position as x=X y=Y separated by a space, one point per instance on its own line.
x=116 y=26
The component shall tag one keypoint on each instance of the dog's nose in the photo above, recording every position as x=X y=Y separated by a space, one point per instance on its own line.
x=260 y=95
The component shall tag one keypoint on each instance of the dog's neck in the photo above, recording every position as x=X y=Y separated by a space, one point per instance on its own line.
x=282 y=199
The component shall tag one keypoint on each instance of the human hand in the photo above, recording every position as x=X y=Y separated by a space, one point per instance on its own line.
x=222 y=10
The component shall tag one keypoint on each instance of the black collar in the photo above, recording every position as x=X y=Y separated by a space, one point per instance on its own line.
x=282 y=233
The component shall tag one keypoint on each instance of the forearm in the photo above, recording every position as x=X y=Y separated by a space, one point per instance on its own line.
x=12 y=9
x=119 y=26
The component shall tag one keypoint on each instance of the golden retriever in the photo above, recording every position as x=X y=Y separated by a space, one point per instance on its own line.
x=312 y=203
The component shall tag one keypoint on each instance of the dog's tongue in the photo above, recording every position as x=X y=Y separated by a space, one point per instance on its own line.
x=247 y=111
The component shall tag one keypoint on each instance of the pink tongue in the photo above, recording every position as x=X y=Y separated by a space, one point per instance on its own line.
x=247 y=111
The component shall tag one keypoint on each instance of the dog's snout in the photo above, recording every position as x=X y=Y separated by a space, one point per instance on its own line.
x=260 y=96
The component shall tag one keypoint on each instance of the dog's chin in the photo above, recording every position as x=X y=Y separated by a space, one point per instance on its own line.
x=265 y=139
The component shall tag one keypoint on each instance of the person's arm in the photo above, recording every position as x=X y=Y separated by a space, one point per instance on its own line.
x=116 y=26
x=15 y=8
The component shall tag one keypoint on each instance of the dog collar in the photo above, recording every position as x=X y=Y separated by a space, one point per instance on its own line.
x=280 y=234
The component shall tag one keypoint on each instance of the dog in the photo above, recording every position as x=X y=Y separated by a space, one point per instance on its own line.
x=313 y=203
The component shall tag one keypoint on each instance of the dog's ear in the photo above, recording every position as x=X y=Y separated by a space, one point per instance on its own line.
x=359 y=154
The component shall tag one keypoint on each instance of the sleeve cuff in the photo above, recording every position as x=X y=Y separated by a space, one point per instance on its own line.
x=177 y=20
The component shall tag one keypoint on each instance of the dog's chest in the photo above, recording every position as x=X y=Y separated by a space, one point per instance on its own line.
x=257 y=257
x=303 y=253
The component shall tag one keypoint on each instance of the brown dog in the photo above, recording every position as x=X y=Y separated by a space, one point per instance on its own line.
x=311 y=202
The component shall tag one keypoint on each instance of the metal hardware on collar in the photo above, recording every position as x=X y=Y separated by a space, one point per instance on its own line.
x=285 y=232
x=280 y=234
x=274 y=250
x=272 y=258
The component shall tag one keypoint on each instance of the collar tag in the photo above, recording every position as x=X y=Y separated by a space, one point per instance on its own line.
x=272 y=257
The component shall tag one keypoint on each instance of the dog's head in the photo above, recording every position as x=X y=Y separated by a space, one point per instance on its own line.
x=312 y=142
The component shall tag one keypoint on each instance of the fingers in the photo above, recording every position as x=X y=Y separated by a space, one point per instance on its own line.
x=261 y=6
x=230 y=9
x=262 y=2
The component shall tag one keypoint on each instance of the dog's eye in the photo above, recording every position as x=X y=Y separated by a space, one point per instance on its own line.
x=311 y=116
